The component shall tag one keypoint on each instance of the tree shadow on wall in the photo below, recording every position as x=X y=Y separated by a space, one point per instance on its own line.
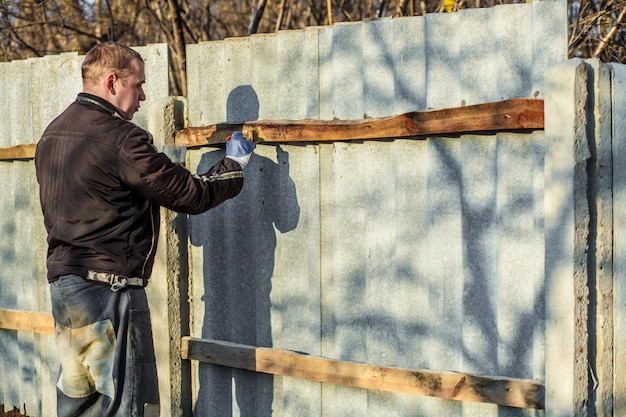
x=239 y=239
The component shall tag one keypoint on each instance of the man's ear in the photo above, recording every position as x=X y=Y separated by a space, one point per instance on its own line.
x=109 y=82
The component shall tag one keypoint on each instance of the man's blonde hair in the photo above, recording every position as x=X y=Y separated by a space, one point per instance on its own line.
x=108 y=57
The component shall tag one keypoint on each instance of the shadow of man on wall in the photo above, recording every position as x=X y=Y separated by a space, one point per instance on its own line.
x=239 y=240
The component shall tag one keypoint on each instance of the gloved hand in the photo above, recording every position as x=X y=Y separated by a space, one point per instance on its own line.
x=239 y=149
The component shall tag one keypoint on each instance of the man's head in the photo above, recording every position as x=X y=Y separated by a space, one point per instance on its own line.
x=115 y=73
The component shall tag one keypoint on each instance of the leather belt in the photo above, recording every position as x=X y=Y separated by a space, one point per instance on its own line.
x=117 y=282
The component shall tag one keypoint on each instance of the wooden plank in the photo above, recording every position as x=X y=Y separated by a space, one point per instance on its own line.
x=28 y=321
x=206 y=135
x=509 y=392
x=18 y=152
x=508 y=115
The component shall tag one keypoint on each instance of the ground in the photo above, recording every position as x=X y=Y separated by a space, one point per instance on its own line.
x=11 y=413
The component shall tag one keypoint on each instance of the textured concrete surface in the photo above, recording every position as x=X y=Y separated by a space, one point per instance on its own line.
x=566 y=229
x=426 y=254
x=34 y=91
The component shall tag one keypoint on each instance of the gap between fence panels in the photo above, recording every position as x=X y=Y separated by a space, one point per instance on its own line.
x=509 y=115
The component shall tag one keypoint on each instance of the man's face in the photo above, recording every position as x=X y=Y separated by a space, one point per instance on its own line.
x=129 y=92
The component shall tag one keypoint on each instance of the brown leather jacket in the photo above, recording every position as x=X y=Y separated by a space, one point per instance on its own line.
x=101 y=183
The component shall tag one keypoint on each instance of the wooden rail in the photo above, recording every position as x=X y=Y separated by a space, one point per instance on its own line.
x=18 y=152
x=28 y=321
x=509 y=392
x=509 y=115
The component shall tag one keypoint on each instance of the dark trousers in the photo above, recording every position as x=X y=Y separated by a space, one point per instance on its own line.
x=106 y=352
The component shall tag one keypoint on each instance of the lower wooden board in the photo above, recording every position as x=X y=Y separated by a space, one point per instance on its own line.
x=511 y=392
x=18 y=152
x=29 y=321
x=503 y=391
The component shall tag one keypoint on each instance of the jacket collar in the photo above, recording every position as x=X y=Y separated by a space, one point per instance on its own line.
x=100 y=102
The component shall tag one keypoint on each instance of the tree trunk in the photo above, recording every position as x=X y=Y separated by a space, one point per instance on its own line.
x=329 y=9
x=179 y=45
x=256 y=18
x=281 y=14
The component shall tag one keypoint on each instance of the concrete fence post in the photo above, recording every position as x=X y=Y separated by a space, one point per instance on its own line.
x=600 y=170
x=618 y=127
x=566 y=239
x=167 y=291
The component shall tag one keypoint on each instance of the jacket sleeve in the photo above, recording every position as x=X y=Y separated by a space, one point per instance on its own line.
x=154 y=176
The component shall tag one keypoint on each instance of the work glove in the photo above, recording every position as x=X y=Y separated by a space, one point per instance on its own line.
x=239 y=149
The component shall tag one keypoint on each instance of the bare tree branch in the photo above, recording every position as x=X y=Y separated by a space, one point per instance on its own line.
x=604 y=42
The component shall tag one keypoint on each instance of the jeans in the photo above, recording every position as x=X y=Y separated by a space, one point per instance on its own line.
x=106 y=351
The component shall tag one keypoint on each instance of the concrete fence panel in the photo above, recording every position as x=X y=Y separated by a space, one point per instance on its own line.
x=421 y=254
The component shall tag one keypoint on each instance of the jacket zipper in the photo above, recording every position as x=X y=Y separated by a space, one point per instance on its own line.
x=152 y=244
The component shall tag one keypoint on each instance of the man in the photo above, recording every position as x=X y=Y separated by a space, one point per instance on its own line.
x=101 y=185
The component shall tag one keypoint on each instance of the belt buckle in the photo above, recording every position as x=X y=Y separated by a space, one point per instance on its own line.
x=119 y=284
